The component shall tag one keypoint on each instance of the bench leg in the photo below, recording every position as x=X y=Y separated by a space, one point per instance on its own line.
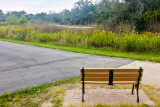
x=137 y=86
x=84 y=89
x=82 y=92
x=133 y=89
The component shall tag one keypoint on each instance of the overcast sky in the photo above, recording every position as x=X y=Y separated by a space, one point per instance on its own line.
x=36 y=6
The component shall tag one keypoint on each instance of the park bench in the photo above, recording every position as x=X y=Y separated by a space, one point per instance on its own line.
x=111 y=76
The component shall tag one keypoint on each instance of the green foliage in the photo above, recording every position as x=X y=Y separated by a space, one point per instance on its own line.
x=12 y=20
x=41 y=16
x=136 y=12
x=23 y=20
x=0 y=20
x=1 y=16
x=4 y=32
x=111 y=13
x=35 y=21
x=57 y=102
x=17 y=14
x=152 y=16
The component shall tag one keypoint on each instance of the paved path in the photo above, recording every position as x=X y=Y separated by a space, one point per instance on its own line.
x=23 y=66
x=151 y=74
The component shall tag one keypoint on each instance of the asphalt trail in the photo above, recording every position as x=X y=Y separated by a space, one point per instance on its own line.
x=23 y=66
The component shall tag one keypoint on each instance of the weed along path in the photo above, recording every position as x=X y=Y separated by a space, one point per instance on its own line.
x=23 y=66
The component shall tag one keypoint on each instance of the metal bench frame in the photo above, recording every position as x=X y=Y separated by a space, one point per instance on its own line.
x=111 y=82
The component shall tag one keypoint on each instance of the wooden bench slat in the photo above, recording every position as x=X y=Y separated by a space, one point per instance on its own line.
x=114 y=82
x=96 y=79
x=115 y=74
x=114 y=79
x=108 y=69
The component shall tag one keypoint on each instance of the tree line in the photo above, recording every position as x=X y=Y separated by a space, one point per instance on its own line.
x=139 y=13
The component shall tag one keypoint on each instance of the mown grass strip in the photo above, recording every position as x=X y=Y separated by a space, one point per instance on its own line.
x=94 y=51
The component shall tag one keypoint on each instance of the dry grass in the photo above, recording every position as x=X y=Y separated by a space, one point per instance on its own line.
x=153 y=93
x=121 y=27
x=155 y=28
x=45 y=27
x=52 y=28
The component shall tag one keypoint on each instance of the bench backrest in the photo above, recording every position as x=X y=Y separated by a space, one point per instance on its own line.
x=111 y=75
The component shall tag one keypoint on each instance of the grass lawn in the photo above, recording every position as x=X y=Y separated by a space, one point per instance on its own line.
x=90 y=50
x=52 y=94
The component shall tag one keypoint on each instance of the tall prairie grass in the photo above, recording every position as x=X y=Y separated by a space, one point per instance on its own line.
x=129 y=42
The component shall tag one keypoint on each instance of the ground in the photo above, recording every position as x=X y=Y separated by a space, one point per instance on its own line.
x=24 y=66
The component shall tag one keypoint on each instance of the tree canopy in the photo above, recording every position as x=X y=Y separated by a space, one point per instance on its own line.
x=138 y=13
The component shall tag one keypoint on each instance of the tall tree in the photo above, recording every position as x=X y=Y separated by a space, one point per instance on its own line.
x=1 y=15
x=12 y=20
x=23 y=20
x=41 y=16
